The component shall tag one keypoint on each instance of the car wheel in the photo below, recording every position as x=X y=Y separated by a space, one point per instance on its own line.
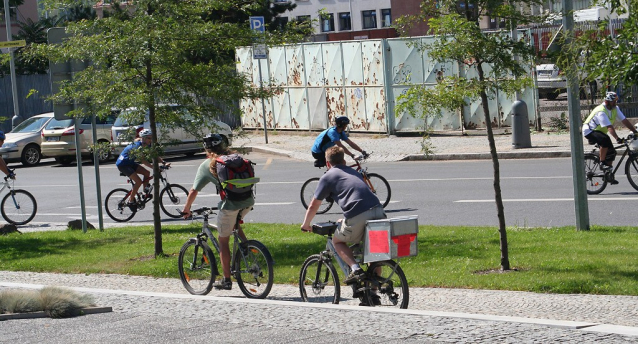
x=552 y=95
x=103 y=155
x=64 y=160
x=30 y=155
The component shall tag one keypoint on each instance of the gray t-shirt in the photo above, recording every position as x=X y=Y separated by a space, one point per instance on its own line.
x=204 y=177
x=346 y=187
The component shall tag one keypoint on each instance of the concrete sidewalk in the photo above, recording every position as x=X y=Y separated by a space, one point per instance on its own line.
x=451 y=146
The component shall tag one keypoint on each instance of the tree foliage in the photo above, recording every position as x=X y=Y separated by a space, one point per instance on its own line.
x=493 y=62
x=159 y=52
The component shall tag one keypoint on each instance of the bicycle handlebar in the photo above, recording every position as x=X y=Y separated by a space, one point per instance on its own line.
x=201 y=211
x=11 y=174
x=362 y=157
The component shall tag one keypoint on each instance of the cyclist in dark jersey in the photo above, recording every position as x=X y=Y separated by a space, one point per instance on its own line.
x=3 y=165
x=333 y=136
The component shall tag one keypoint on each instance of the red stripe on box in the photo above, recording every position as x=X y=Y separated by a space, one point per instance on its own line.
x=403 y=244
x=378 y=242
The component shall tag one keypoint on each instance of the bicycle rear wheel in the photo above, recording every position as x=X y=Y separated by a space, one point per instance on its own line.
x=380 y=187
x=631 y=170
x=389 y=288
x=172 y=200
x=594 y=175
x=318 y=281
x=18 y=207
x=253 y=270
x=196 y=265
x=115 y=205
x=308 y=191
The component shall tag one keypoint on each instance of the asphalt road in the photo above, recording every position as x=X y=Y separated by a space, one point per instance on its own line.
x=536 y=192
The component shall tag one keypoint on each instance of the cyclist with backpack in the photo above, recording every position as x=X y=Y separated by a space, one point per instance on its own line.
x=127 y=164
x=233 y=176
x=333 y=136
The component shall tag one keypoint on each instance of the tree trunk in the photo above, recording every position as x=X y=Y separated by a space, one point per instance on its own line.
x=157 y=223
x=505 y=264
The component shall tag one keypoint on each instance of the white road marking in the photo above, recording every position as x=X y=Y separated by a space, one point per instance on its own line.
x=547 y=199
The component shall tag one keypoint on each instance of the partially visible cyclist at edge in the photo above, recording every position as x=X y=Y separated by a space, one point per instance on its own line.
x=3 y=165
x=346 y=186
x=228 y=209
x=129 y=167
x=601 y=121
x=333 y=136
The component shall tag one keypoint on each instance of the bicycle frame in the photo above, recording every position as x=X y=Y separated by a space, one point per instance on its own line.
x=628 y=151
x=364 y=172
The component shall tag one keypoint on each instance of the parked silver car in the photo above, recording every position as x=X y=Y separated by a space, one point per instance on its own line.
x=175 y=140
x=24 y=141
x=58 y=140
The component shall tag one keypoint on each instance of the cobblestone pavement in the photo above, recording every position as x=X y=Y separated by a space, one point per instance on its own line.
x=456 y=315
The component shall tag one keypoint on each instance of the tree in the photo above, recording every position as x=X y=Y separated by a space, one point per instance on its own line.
x=498 y=61
x=611 y=58
x=145 y=58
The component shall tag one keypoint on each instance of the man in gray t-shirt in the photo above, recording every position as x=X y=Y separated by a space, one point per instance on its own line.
x=346 y=187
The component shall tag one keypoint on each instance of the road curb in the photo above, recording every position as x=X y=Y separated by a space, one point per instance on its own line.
x=451 y=156
x=36 y=315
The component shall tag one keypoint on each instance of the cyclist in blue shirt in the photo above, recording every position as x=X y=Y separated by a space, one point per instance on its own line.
x=330 y=137
x=129 y=167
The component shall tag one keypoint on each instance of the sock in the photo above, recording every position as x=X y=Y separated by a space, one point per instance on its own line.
x=355 y=267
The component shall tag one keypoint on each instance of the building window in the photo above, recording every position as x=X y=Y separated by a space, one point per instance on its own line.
x=344 y=21
x=386 y=17
x=369 y=19
x=280 y=23
x=327 y=22
x=303 y=18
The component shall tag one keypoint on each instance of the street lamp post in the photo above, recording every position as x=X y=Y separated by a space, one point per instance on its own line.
x=14 y=89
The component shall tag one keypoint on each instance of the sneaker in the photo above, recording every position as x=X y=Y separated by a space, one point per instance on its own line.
x=223 y=284
x=606 y=167
x=354 y=276
x=376 y=301
x=613 y=182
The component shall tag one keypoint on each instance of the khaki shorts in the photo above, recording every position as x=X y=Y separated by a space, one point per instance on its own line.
x=352 y=230
x=226 y=220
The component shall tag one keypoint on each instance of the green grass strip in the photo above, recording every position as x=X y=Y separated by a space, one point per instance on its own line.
x=557 y=260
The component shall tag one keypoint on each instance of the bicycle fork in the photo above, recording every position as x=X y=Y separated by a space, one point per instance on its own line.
x=13 y=197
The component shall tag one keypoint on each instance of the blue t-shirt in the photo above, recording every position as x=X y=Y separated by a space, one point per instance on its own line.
x=125 y=158
x=327 y=139
x=346 y=187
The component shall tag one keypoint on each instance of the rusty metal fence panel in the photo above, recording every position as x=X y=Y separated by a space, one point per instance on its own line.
x=359 y=79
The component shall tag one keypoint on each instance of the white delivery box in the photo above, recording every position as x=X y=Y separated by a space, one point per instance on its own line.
x=391 y=238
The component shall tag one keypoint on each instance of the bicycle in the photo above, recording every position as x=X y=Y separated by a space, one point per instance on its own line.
x=172 y=199
x=22 y=208
x=251 y=262
x=384 y=283
x=375 y=182
x=597 y=175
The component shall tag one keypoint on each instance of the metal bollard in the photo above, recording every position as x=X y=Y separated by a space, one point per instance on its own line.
x=520 y=126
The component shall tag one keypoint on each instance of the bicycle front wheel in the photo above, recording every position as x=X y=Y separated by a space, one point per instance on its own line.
x=18 y=207
x=380 y=187
x=388 y=286
x=308 y=191
x=172 y=200
x=196 y=265
x=594 y=175
x=631 y=170
x=318 y=281
x=254 y=270
x=116 y=207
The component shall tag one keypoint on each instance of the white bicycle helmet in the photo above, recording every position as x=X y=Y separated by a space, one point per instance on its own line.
x=611 y=96
x=212 y=140
x=145 y=133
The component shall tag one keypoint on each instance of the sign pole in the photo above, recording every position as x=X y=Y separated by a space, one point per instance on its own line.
x=14 y=88
x=260 y=52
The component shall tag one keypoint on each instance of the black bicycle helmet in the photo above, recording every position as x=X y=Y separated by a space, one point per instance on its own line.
x=341 y=121
x=2 y=137
x=212 y=140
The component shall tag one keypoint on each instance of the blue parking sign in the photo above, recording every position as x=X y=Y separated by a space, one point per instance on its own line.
x=257 y=24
